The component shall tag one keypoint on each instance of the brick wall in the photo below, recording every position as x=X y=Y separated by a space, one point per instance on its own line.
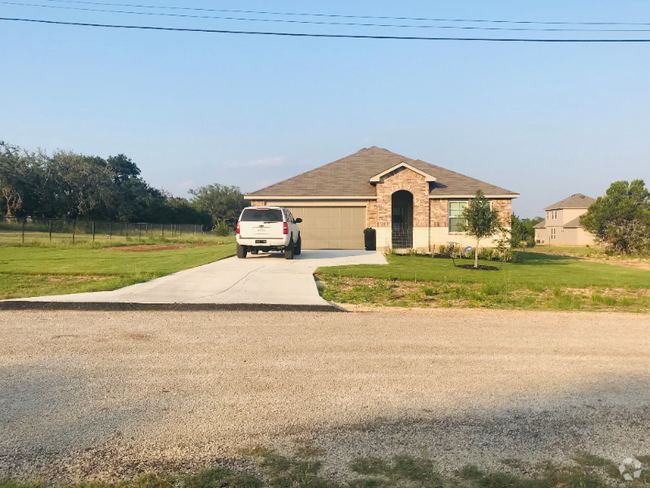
x=371 y=214
x=439 y=213
x=504 y=207
x=403 y=179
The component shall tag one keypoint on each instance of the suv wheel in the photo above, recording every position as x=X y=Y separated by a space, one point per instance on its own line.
x=298 y=247
x=242 y=251
x=288 y=251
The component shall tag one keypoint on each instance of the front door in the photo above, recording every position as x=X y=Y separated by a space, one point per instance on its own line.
x=402 y=220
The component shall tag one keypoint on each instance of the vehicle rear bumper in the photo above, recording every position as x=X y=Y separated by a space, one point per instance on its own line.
x=261 y=241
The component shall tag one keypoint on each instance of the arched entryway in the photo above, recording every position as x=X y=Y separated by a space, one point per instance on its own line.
x=402 y=219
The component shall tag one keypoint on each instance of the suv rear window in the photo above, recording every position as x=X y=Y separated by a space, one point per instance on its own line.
x=261 y=215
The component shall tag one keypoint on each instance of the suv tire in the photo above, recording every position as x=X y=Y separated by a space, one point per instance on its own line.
x=298 y=247
x=288 y=251
x=242 y=251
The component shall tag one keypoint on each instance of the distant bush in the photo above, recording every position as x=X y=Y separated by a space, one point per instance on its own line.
x=222 y=229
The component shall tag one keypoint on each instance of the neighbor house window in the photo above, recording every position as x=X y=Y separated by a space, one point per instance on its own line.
x=553 y=233
x=456 y=220
x=554 y=214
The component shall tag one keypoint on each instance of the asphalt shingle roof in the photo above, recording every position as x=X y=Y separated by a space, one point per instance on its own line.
x=350 y=177
x=577 y=200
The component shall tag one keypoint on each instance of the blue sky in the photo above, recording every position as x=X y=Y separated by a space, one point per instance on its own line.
x=545 y=120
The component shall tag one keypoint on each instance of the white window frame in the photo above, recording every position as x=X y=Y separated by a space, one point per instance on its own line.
x=553 y=235
x=449 y=216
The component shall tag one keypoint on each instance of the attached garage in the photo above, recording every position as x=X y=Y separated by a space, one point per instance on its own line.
x=333 y=227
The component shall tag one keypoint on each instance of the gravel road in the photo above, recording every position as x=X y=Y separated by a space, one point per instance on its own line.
x=109 y=395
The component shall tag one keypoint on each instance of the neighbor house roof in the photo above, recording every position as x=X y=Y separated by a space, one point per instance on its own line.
x=575 y=223
x=541 y=225
x=352 y=175
x=577 y=200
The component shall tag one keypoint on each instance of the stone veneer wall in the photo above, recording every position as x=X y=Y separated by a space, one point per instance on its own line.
x=403 y=179
x=439 y=213
x=257 y=203
x=504 y=207
x=371 y=214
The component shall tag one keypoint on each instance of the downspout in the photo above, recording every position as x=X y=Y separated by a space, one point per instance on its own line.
x=429 y=222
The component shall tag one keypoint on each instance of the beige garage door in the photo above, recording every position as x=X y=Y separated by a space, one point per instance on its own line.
x=331 y=227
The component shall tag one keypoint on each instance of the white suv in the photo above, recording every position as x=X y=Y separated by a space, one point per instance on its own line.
x=268 y=229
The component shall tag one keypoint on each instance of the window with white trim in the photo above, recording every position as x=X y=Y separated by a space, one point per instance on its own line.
x=456 y=220
x=553 y=235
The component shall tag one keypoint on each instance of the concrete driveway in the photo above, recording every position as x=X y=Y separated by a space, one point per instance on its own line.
x=263 y=279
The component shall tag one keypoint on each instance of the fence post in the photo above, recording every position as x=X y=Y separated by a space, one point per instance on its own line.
x=139 y=232
x=49 y=228
x=126 y=229
x=110 y=230
x=93 y=231
x=180 y=230
x=23 y=236
x=74 y=229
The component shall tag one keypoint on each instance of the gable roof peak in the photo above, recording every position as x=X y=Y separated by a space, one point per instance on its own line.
x=351 y=177
x=577 y=200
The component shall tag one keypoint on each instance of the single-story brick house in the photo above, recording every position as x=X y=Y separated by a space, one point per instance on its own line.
x=410 y=203
x=562 y=225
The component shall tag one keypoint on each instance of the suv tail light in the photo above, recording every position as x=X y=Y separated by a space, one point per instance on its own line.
x=285 y=227
x=237 y=227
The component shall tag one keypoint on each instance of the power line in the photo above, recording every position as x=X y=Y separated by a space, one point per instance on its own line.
x=311 y=22
x=335 y=36
x=370 y=17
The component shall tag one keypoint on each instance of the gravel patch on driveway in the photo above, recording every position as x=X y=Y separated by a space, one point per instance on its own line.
x=109 y=395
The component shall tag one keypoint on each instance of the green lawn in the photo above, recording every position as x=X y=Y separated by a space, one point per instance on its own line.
x=533 y=280
x=37 y=271
x=266 y=469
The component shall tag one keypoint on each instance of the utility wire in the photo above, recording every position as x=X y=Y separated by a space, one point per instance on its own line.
x=370 y=17
x=312 y=22
x=335 y=36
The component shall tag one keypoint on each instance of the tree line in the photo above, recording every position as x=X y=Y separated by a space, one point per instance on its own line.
x=70 y=185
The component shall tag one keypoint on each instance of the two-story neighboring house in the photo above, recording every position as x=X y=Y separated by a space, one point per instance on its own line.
x=562 y=224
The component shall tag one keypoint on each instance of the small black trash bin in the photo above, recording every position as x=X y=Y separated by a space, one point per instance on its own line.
x=370 y=238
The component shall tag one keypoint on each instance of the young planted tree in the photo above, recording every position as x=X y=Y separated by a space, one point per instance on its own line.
x=481 y=220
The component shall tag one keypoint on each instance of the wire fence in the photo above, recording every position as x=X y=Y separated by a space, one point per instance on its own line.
x=18 y=229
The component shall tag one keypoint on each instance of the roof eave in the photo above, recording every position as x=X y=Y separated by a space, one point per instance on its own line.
x=427 y=177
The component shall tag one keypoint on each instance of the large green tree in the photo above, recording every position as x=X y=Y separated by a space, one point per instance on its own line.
x=481 y=220
x=71 y=185
x=223 y=203
x=621 y=218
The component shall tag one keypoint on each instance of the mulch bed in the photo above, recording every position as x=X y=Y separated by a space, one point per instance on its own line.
x=480 y=267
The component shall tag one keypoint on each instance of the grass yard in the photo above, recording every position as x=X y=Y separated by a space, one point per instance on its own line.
x=41 y=269
x=305 y=470
x=595 y=254
x=532 y=281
